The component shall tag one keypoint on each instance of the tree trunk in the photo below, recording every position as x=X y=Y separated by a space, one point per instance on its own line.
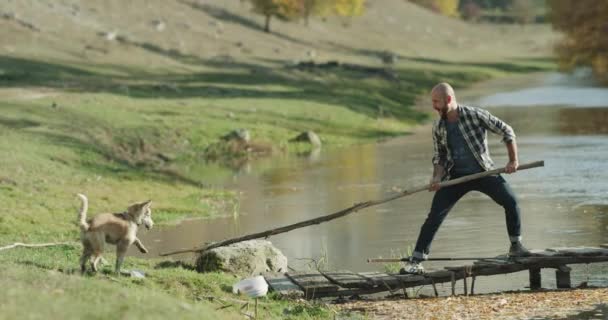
x=267 y=23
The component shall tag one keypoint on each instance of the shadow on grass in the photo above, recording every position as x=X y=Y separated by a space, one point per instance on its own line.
x=500 y=66
x=175 y=265
x=363 y=90
x=18 y=123
x=92 y=138
x=517 y=65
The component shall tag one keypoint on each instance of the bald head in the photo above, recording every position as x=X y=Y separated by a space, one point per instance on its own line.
x=444 y=89
x=444 y=99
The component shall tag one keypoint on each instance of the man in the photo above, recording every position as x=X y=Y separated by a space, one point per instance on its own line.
x=460 y=149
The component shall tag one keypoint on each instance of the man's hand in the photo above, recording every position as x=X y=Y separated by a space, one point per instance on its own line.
x=434 y=184
x=512 y=166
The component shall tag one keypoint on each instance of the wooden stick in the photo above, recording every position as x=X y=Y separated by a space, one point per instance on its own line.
x=406 y=259
x=36 y=245
x=355 y=208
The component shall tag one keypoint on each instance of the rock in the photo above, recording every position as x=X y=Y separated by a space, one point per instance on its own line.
x=244 y=258
x=308 y=137
x=159 y=25
x=242 y=135
x=311 y=54
x=110 y=36
x=388 y=57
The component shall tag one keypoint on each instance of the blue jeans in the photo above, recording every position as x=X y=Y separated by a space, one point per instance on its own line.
x=445 y=198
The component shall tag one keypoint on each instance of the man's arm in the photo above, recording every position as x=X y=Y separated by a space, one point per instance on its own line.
x=497 y=126
x=439 y=159
x=438 y=173
x=513 y=160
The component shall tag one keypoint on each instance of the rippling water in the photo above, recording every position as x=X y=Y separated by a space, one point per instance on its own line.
x=564 y=204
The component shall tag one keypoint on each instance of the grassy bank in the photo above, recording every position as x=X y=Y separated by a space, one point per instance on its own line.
x=42 y=283
x=134 y=118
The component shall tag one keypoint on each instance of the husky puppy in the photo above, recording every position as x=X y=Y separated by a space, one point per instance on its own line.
x=119 y=229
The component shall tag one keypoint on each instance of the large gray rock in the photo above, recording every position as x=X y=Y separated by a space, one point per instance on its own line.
x=244 y=258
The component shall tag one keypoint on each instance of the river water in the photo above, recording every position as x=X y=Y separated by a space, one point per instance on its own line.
x=564 y=203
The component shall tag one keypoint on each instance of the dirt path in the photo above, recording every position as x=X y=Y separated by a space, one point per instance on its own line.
x=565 y=304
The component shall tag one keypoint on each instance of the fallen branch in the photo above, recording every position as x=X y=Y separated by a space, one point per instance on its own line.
x=37 y=245
x=355 y=208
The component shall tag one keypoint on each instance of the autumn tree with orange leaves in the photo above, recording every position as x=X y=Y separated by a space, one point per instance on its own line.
x=281 y=9
x=585 y=28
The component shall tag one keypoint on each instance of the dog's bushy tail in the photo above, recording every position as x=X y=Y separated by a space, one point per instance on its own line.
x=82 y=215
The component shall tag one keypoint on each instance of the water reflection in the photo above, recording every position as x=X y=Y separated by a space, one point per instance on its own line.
x=564 y=204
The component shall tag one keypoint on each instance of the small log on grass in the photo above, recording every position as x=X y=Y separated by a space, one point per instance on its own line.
x=37 y=245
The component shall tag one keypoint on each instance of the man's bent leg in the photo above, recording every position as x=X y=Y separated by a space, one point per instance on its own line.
x=497 y=188
x=443 y=201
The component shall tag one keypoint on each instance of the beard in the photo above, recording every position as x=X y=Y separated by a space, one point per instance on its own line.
x=443 y=113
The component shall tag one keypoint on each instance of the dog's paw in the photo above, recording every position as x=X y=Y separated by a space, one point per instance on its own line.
x=144 y=250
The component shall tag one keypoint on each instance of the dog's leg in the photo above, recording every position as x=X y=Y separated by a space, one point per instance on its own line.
x=140 y=246
x=96 y=242
x=121 y=251
x=96 y=261
x=86 y=255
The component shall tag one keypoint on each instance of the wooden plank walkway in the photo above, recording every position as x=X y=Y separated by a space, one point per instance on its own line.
x=314 y=284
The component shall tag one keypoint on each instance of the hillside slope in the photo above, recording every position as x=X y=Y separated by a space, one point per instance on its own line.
x=155 y=32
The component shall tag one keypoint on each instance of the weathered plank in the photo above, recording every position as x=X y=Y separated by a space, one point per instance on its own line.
x=580 y=251
x=382 y=280
x=543 y=253
x=413 y=280
x=283 y=285
x=348 y=279
x=312 y=283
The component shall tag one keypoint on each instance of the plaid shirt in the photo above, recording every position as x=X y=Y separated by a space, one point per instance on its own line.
x=473 y=125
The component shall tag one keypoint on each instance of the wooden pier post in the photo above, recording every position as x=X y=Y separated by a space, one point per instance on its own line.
x=453 y=278
x=535 y=278
x=473 y=286
x=562 y=277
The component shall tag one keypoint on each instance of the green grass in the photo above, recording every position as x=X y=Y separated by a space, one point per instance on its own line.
x=44 y=282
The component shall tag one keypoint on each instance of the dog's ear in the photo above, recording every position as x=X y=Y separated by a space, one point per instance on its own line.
x=146 y=203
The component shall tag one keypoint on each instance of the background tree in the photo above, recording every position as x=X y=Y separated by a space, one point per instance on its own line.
x=321 y=8
x=522 y=11
x=585 y=30
x=349 y=8
x=448 y=7
x=282 y=9
x=470 y=10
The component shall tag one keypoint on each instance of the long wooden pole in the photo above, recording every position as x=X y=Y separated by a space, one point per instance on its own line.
x=354 y=208
x=406 y=259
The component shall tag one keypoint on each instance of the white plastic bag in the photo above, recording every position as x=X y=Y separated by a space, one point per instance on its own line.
x=254 y=287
